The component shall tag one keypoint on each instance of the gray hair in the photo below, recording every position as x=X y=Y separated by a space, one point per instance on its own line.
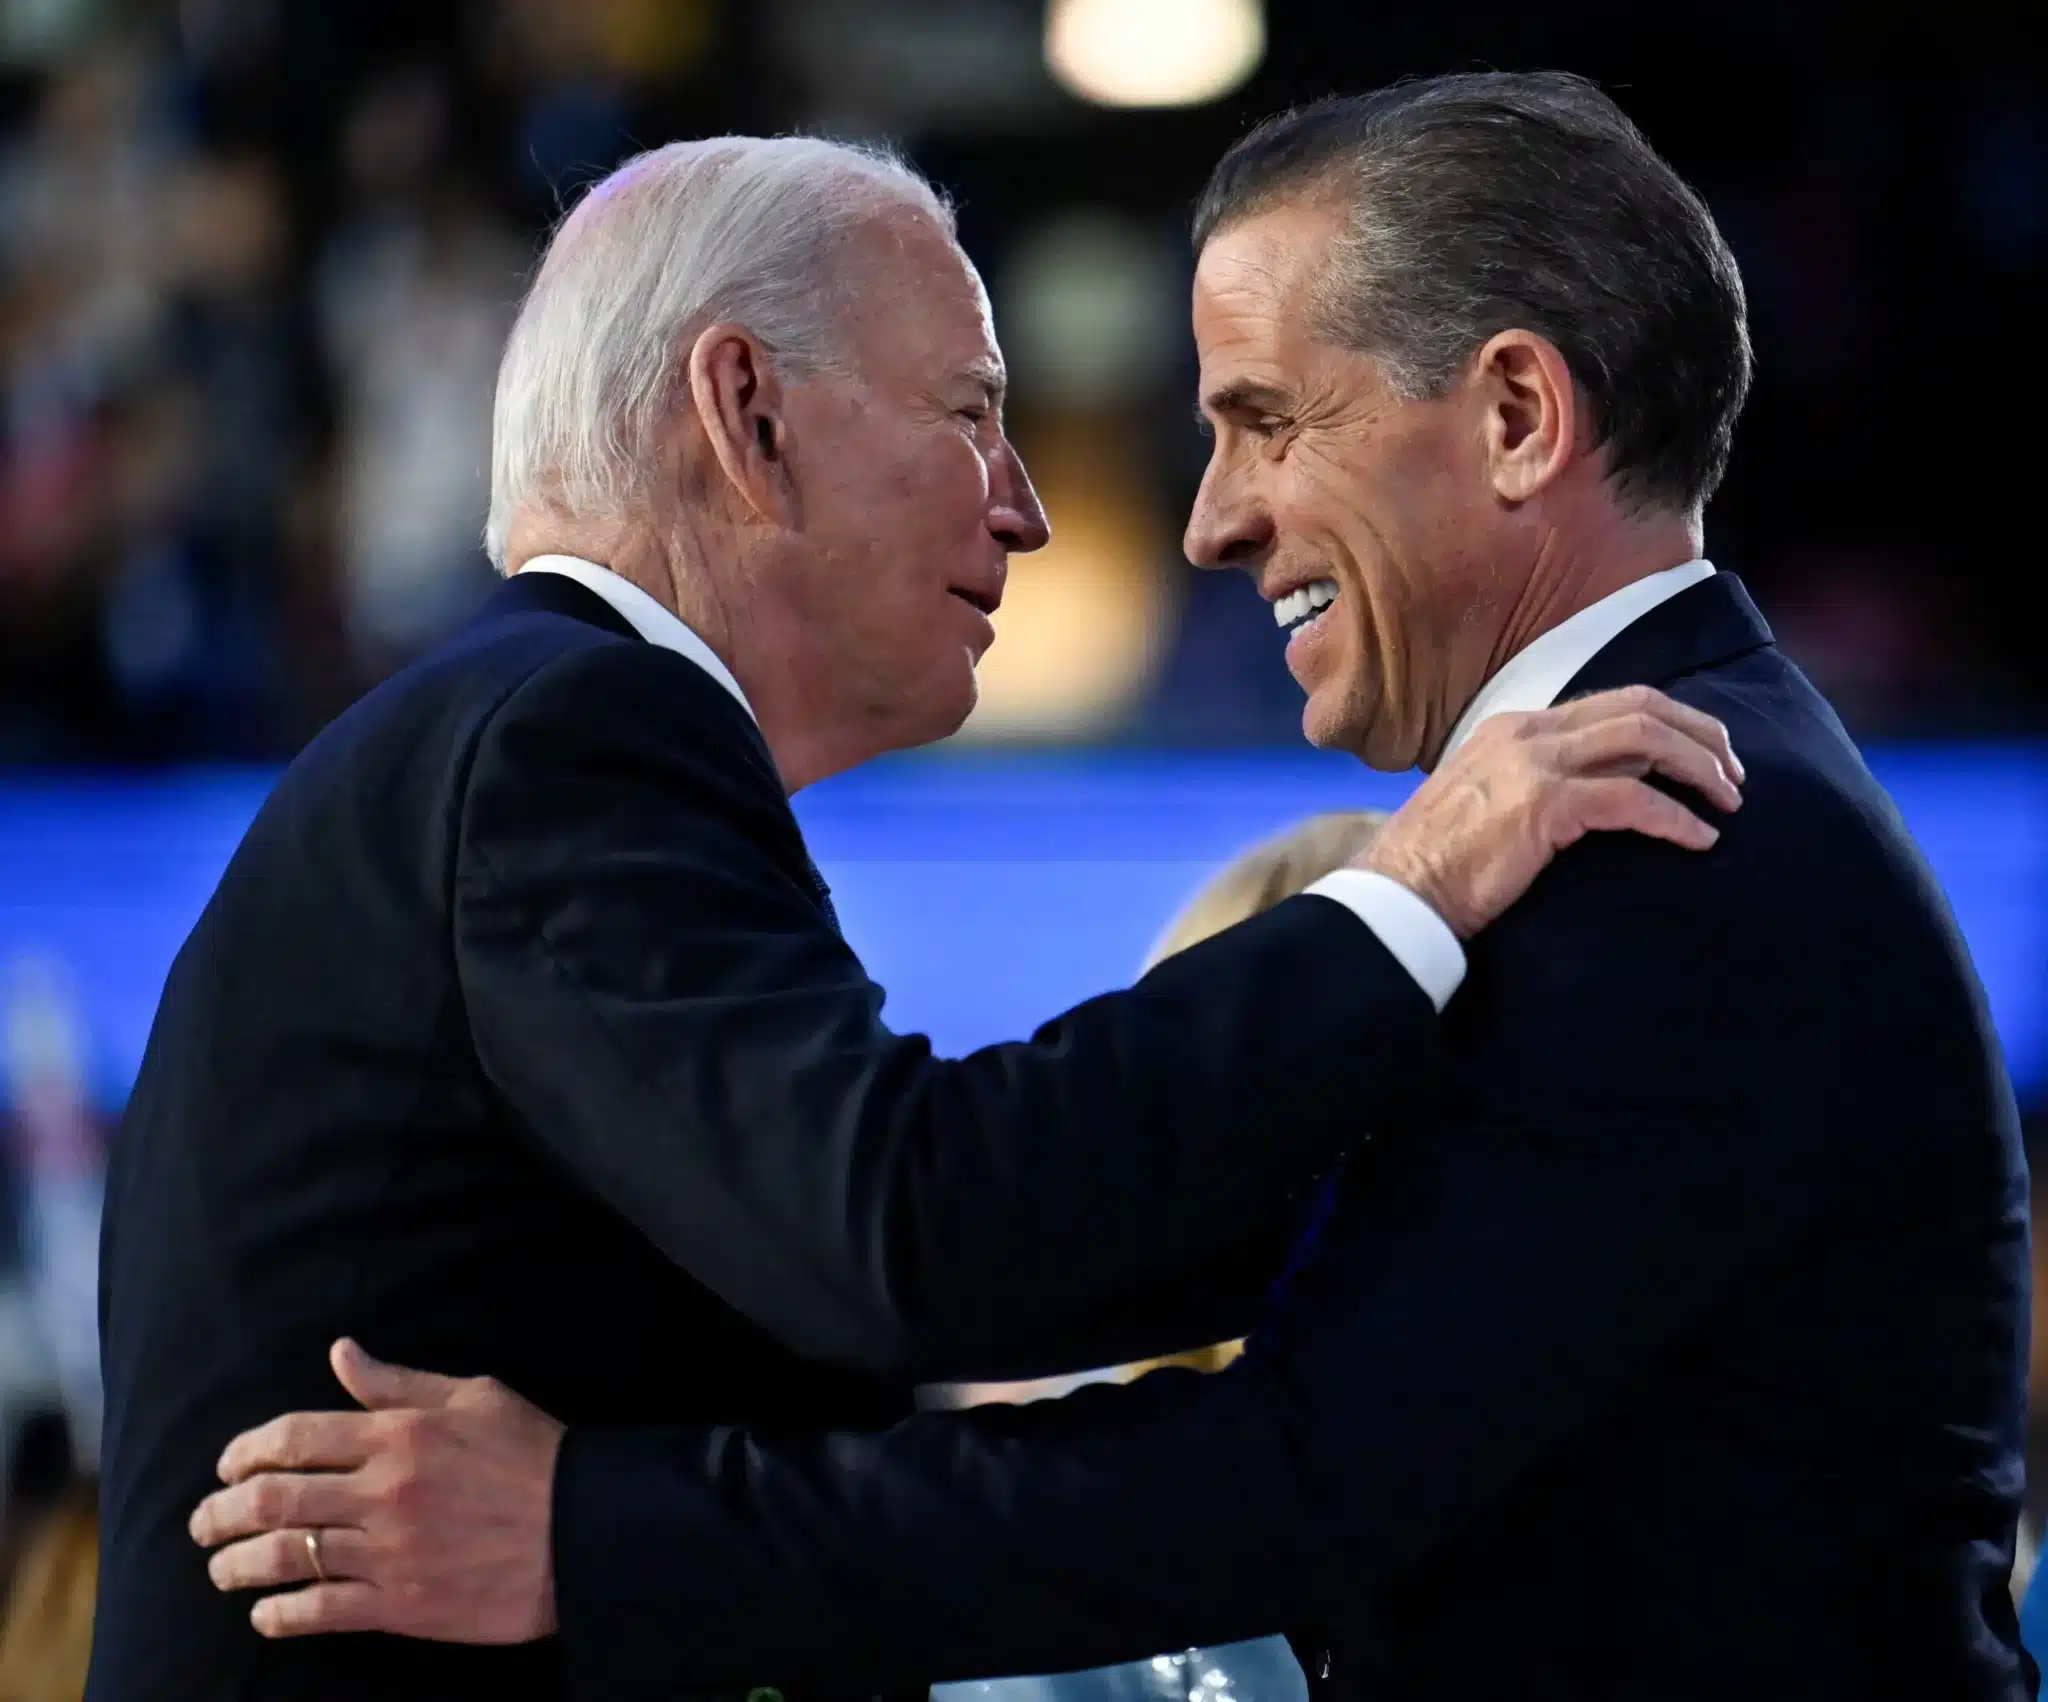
x=740 y=228
x=1491 y=201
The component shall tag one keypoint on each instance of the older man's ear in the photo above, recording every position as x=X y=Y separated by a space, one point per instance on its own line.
x=1532 y=413
x=739 y=405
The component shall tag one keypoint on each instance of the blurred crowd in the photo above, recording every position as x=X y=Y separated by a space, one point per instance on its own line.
x=245 y=368
x=256 y=261
x=52 y=1165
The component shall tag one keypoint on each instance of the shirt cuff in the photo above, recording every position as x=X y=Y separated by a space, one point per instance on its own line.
x=1419 y=938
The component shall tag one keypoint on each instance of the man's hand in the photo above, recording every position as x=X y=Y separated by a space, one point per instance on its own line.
x=429 y=1510
x=1524 y=786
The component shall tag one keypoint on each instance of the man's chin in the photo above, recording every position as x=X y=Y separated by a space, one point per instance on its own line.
x=1333 y=720
x=1329 y=718
x=945 y=710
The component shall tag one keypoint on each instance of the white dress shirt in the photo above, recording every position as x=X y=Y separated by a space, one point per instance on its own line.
x=659 y=626
x=1536 y=673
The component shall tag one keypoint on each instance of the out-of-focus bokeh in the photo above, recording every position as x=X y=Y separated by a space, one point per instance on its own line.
x=257 y=258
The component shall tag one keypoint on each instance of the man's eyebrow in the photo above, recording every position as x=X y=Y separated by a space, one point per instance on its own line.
x=987 y=372
x=1247 y=397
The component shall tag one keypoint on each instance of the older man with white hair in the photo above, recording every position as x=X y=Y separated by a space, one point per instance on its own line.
x=519 y=1037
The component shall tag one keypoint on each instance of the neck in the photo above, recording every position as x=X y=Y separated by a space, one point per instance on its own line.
x=806 y=752
x=1574 y=572
x=1573 y=567
x=766 y=653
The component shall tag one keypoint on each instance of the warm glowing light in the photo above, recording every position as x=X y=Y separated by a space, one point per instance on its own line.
x=1084 y=621
x=1153 y=52
x=1093 y=308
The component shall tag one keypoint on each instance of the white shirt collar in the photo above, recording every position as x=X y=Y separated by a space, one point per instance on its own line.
x=1536 y=673
x=643 y=614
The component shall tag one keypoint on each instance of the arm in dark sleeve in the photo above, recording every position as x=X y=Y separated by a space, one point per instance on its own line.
x=1619 y=1164
x=652 y=984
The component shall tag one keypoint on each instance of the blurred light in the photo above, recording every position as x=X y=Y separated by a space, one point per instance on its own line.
x=896 y=68
x=1090 y=309
x=1083 y=621
x=1153 y=52
x=40 y=1038
x=44 y=32
x=653 y=38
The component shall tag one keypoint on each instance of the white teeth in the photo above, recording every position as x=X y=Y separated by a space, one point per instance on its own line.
x=1299 y=605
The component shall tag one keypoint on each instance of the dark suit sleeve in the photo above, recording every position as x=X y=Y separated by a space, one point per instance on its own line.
x=1626 y=1153
x=653 y=985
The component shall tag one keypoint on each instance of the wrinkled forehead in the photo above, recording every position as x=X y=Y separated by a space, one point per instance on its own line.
x=914 y=305
x=1255 y=277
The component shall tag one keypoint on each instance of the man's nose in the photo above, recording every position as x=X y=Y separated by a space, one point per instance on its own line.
x=1224 y=528
x=1016 y=518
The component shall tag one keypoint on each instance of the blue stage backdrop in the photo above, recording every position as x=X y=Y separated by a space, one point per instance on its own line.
x=986 y=893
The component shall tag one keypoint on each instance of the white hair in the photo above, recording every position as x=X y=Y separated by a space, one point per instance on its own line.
x=739 y=228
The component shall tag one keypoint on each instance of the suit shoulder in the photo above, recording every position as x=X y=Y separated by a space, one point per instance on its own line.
x=410 y=743
x=607 y=732
x=461 y=682
x=1812 y=817
x=495 y=656
x=606 y=666
x=1816 y=904
x=621 y=694
x=1811 y=804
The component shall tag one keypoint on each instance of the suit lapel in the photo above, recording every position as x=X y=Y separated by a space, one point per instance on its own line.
x=1704 y=625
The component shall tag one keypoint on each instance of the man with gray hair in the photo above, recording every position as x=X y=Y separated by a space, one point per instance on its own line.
x=1673 y=1352
x=519 y=1037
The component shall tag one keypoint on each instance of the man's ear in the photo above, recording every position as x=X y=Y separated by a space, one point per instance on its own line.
x=739 y=401
x=1532 y=412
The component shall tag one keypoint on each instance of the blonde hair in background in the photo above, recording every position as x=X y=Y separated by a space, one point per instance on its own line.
x=1245 y=887
x=1280 y=868
x=46 y=1633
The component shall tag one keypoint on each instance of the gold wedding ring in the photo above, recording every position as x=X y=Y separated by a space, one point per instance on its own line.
x=313 y=1554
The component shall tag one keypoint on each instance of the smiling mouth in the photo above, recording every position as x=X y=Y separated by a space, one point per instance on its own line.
x=1300 y=609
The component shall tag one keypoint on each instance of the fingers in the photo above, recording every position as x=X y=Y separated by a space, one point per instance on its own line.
x=279 y=1558
x=323 y=1607
x=1695 y=724
x=1617 y=804
x=300 y=1441
x=376 y=1386
x=275 y=1501
x=1638 y=742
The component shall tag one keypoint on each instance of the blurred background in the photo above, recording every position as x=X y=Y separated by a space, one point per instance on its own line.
x=257 y=258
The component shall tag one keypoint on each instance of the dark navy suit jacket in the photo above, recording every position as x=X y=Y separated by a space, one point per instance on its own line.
x=1677 y=1353
x=518 y=1039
